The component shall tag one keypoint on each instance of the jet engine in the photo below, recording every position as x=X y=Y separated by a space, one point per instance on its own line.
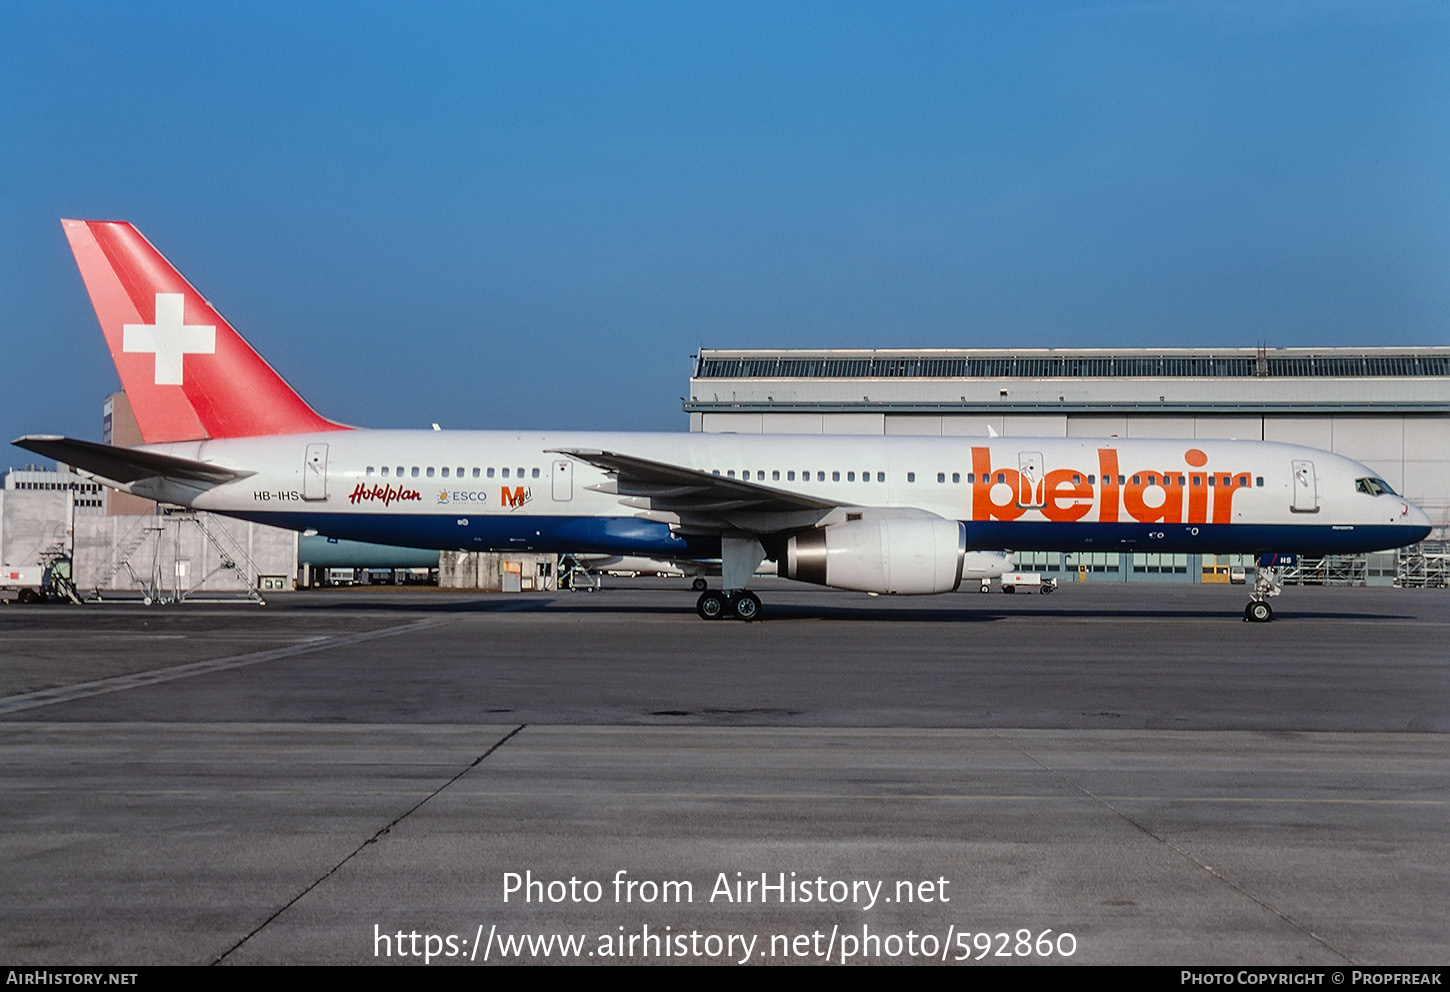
x=908 y=555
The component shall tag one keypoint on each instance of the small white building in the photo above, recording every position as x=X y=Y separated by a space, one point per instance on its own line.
x=90 y=497
x=167 y=556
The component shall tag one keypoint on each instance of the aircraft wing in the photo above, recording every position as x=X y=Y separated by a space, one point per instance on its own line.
x=700 y=502
x=124 y=466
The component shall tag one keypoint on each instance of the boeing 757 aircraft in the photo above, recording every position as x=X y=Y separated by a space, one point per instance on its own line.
x=878 y=514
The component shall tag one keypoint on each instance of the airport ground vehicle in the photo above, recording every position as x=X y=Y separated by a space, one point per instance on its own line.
x=41 y=583
x=1028 y=582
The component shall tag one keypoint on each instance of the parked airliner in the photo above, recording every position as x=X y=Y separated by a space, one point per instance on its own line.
x=880 y=514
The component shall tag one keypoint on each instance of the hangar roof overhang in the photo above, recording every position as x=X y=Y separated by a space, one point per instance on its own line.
x=1161 y=380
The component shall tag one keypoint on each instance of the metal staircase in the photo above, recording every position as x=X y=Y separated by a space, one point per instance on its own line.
x=231 y=552
x=121 y=558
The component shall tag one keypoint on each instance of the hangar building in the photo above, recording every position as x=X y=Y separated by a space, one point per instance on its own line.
x=1386 y=407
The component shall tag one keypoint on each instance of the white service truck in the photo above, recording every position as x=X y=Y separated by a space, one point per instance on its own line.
x=1027 y=581
x=37 y=583
x=23 y=583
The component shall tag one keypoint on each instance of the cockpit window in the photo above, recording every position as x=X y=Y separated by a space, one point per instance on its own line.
x=1373 y=487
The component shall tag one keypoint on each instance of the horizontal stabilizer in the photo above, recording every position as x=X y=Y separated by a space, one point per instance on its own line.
x=127 y=465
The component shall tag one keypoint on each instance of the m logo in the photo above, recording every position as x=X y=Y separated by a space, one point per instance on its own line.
x=516 y=497
x=169 y=339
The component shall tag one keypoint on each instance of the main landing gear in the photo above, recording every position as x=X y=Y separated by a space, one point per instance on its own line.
x=1267 y=584
x=740 y=556
x=722 y=604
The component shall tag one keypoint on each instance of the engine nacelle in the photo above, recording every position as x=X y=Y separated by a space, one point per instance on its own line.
x=906 y=555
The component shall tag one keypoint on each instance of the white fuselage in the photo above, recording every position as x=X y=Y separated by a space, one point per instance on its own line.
x=476 y=490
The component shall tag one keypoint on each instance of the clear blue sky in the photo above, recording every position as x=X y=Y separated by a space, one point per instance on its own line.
x=531 y=214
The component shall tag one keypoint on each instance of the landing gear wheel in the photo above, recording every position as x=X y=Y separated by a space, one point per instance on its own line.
x=747 y=606
x=1258 y=612
x=699 y=585
x=710 y=605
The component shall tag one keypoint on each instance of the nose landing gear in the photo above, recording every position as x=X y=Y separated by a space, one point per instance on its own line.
x=1267 y=584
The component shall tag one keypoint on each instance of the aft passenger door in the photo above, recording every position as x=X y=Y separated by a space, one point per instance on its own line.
x=314 y=472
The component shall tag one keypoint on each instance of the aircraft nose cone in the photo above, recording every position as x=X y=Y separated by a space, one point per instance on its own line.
x=1419 y=521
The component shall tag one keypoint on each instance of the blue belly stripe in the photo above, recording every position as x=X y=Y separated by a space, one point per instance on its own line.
x=632 y=536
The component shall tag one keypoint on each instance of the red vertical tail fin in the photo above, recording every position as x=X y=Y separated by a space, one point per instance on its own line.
x=187 y=373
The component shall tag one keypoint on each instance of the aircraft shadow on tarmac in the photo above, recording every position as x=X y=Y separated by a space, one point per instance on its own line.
x=778 y=612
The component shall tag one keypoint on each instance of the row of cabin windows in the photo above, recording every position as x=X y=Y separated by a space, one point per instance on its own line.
x=428 y=472
x=806 y=476
x=1153 y=478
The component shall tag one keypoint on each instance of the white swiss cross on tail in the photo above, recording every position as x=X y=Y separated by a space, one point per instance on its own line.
x=169 y=339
